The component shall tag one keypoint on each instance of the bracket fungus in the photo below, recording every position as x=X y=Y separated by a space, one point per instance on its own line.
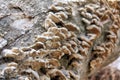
x=72 y=46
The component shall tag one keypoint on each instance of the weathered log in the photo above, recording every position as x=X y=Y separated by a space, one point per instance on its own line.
x=79 y=38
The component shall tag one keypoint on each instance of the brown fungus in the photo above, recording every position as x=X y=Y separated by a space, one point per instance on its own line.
x=57 y=54
x=73 y=39
x=38 y=45
x=48 y=34
x=16 y=55
x=76 y=56
x=10 y=71
x=65 y=50
x=87 y=22
x=96 y=63
x=54 y=63
x=112 y=36
x=61 y=35
x=86 y=15
x=12 y=64
x=99 y=49
x=85 y=38
x=94 y=29
x=69 y=46
x=72 y=27
x=89 y=8
x=56 y=8
x=57 y=75
x=34 y=73
x=49 y=23
x=74 y=76
x=54 y=18
x=85 y=44
x=62 y=15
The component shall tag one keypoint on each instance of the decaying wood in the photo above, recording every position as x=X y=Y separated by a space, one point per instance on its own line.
x=58 y=40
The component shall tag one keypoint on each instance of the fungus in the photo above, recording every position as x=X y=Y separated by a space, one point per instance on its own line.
x=49 y=23
x=98 y=13
x=44 y=77
x=72 y=27
x=24 y=78
x=8 y=53
x=89 y=8
x=99 y=49
x=11 y=54
x=65 y=32
x=92 y=37
x=9 y=72
x=61 y=35
x=36 y=75
x=76 y=56
x=85 y=44
x=41 y=38
x=83 y=51
x=96 y=17
x=33 y=53
x=35 y=64
x=42 y=53
x=65 y=50
x=12 y=64
x=62 y=52
x=85 y=38
x=55 y=38
x=54 y=18
x=96 y=63
x=104 y=18
x=68 y=45
x=53 y=45
x=74 y=45
x=81 y=10
x=114 y=28
x=111 y=36
x=56 y=75
x=62 y=15
x=38 y=45
x=48 y=34
x=56 y=8
x=54 y=30
x=57 y=54
x=75 y=64
x=74 y=76
x=87 y=22
x=94 y=29
x=86 y=15
x=54 y=63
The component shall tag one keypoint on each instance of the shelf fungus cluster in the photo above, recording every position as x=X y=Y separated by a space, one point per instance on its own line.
x=79 y=38
x=107 y=73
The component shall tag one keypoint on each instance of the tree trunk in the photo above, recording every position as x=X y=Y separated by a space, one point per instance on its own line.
x=57 y=40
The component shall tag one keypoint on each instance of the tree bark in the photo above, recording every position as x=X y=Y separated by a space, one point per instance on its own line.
x=57 y=40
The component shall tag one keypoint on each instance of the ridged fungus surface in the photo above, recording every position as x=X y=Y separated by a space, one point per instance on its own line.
x=80 y=37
